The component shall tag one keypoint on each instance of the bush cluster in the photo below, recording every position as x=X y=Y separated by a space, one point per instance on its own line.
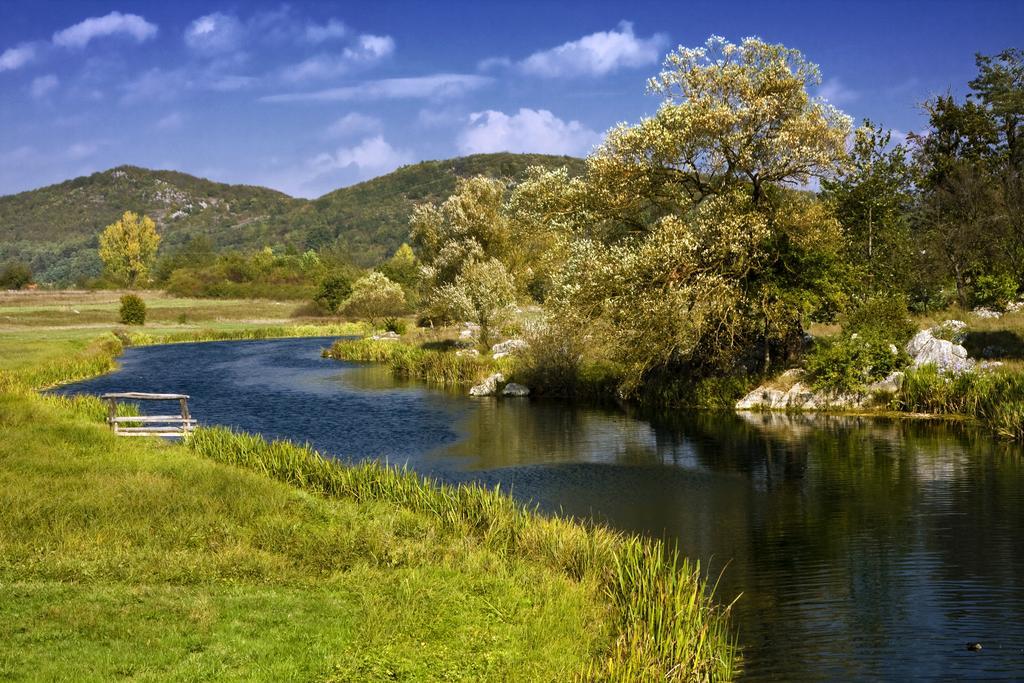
x=995 y=291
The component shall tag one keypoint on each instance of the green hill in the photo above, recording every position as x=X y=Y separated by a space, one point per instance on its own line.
x=371 y=219
x=55 y=228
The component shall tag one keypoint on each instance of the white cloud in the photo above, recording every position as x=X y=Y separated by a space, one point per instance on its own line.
x=494 y=64
x=529 y=130
x=352 y=124
x=367 y=50
x=16 y=57
x=332 y=30
x=436 y=86
x=83 y=32
x=214 y=33
x=373 y=156
x=82 y=150
x=834 y=91
x=171 y=121
x=161 y=85
x=43 y=85
x=596 y=54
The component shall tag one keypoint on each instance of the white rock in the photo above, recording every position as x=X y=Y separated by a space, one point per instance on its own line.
x=465 y=334
x=985 y=313
x=890 y=385
x=508 y=347
x=926 y=349
x=762 y=397
x=386 y=336
x=489 y=387
x=467 y=352
x=513 y=389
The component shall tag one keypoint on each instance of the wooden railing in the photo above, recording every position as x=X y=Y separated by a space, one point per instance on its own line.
x=149 y=425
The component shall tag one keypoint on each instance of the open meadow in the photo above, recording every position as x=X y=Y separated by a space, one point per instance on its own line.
x=231 y=557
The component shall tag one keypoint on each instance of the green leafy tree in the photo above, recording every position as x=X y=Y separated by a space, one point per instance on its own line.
x=333 y=290
x=373 y=297
x=872 y=199
x=128 y=248
x=402 y=267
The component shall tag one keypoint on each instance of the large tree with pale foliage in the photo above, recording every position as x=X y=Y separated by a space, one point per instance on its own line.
x=689 y=242
x=483 y=293
x=373 y=297
x=128 y=248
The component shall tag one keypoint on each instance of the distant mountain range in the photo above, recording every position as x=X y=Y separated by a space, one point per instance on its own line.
x=55 y=228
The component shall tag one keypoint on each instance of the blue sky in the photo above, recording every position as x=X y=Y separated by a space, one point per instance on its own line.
x=307 y=97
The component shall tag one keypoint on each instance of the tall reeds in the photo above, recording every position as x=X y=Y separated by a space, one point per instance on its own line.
x=992 y=397
x=414 y=362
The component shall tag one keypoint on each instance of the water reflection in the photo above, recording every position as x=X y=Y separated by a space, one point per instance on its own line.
x=863 y=548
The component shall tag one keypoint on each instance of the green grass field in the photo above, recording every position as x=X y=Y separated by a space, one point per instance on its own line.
x=132 y=558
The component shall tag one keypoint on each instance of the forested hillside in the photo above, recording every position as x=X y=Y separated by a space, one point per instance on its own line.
x=54 y=229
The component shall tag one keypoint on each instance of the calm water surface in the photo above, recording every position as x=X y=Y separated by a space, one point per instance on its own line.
x=862 y=548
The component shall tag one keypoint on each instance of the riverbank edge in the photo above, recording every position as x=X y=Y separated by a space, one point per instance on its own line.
x=447 y=368
x=666 y=622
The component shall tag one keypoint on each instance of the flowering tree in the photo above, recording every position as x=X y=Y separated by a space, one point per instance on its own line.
x=688 y=240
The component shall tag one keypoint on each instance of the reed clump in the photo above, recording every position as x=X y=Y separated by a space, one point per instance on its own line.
x=668 y=626
x=415 y=362
x=994 y=398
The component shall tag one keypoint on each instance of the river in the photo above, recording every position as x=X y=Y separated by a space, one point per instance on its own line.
x=862 y=548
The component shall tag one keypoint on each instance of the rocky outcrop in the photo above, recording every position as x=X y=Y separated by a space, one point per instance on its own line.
x=489 y=387
x=927 y=349
x=800 y=396
x=386 y=336
x=512 y=389
x=508 y=347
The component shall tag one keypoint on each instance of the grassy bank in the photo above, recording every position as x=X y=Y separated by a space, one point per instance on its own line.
x=233 y=557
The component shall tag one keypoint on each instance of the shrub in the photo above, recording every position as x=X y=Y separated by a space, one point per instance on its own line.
x=133 y=310
x=15 y=275
x=396 y=325
x=883 y=318
x=332 y=291
x=849 y=363
x=994 y=291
